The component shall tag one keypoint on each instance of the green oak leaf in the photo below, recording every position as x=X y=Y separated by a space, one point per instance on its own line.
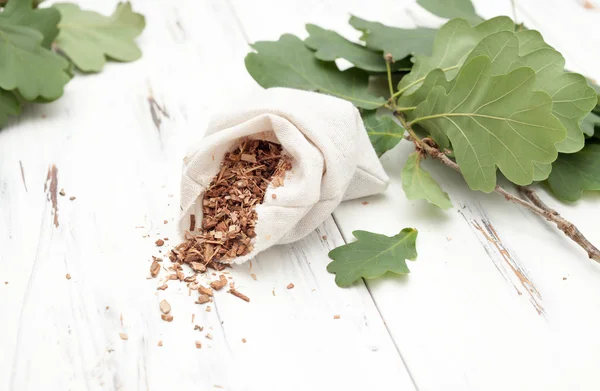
x=572 y=98
x=494 y=121
x=384 y=132
x=289 y=63
x=44 y=20
x=88 y=38
x=9 y=105
x=541 y=171
x=372 y=255
x=574 y=173
x=453 y=43
x=451 y=9
x=419 y=185
x=27 y=66
x=589 y=123
x=329 y=46
x=400 y=43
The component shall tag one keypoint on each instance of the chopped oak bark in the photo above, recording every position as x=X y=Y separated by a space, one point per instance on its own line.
x=228 y=207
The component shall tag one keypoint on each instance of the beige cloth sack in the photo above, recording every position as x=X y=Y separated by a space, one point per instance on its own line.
x=332 y=161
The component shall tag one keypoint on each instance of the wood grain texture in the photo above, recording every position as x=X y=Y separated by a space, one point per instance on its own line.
x=497 y=299
x=115 y=141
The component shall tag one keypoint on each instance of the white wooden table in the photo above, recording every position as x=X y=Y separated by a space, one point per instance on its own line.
x=497 y=300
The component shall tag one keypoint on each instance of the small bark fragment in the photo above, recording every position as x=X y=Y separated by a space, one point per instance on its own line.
x=68 y=276
x=123 y=336
x=336 y=316
x=253 y=276
x=159 y=242
x=205 y=291
x=198 y=344
x=290 y=286
x=165 y=307
x=203 y=299
x=167 y=317
x=236 y=293
x=72 y=198
x=160 y=343
x=154 y=269
x=209 y=336
x=243 y=340
x=62 y=192
x=198 y=267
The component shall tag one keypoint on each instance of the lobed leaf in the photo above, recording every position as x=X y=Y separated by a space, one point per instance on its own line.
x=589 y=123
x=9 y=105
x=572 y=98
x=89 y=38
x=372 y=255
x=572 y=174
x=27 y=66
x=400 y=43
x=419 y=185
x=451 y=9
x=494 y=121
x=289 y=63
x=329 y=46
x=453 y=43
x=44 y=20
x=384 y=132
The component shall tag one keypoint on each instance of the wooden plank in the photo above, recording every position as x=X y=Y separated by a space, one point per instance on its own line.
x=498 y=299
x=116 y=141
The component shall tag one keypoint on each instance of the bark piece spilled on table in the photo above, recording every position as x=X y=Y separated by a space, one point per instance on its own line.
x=229 y=204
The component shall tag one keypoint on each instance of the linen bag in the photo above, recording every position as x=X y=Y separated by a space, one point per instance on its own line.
x=332 y=161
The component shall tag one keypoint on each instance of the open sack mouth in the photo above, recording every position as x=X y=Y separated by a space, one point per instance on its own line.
x=227 y=227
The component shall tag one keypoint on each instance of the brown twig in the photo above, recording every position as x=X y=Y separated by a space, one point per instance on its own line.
x=536 y=205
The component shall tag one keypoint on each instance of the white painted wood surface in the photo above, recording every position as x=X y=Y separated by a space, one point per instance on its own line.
x=497 y=299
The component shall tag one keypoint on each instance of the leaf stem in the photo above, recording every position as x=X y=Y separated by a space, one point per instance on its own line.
x=388 y=61
x=536 y=205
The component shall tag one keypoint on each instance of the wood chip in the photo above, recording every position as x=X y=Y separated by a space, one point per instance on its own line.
x=159 y=242
x=165 y=307
x=198 y=267
x=166 y=317
x=193 y=317
x=165 y=221
x=208 y=309
x=209 y=336
x=205 y=291
x=253 y=276
x=290 y=286
x=336 y=316
x=248 y=158
x=203 y=299
x=228 y=207
x=236 y=293
x=72 y=198
x=199 y=328
x=62 y=192
x=198 y=344
x=218 y=285
x=123 y=336
x=154 y=269
x=68 y=276
x=243 y=340
x=160 y=343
